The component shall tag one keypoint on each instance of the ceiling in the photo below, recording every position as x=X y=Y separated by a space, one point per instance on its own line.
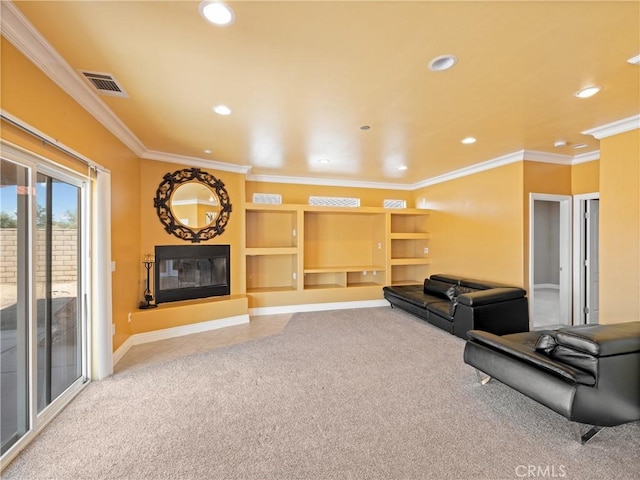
x=302 y=78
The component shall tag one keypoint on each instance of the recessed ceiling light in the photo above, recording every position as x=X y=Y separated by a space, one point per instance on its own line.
x=560 y=143
x=323 y=161
x=222 y=110
x=588 y=92
x=634 y=60
x=468 y=140
x=207 y=151
x=443 y=62
x=579 y=145
x=402 y=167
x=217 y=12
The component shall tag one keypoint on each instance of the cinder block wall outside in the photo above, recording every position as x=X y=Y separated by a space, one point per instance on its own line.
x=64 y=255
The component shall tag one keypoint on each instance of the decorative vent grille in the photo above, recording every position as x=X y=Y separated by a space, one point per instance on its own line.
x=267 y=198
x=105 y=83
x=388 y=203
x=334 y=201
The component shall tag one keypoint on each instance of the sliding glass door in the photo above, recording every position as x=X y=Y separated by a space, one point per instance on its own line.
x=57 y=271
x=43 y=328
x=14 y=303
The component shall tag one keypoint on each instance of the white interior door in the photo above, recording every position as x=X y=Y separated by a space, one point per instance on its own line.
x=592 y=263
x=586 y=271
x=550 y=275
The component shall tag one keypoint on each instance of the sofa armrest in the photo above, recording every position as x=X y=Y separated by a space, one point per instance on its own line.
x=493 y=295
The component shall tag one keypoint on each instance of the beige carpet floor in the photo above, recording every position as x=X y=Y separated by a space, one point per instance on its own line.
x=354 y=394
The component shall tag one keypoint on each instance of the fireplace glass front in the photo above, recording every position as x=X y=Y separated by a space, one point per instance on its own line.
x=191 y=271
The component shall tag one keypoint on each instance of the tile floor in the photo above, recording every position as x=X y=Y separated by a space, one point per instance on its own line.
x=153 y=352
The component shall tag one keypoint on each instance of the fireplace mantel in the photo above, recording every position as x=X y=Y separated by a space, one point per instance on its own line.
x=226 y=310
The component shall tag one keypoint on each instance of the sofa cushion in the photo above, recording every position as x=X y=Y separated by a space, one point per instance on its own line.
x=442 y=309
x=410 y=293
x=439 y=289
x=575 y=358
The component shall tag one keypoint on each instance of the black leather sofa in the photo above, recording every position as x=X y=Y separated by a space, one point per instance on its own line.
x=589 y=374
x=458 y=305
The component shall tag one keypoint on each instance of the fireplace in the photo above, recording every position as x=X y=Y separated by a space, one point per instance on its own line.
x=191 y=271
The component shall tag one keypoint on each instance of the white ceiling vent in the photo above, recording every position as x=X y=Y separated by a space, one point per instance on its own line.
x=334 y=201
x=267 y=198
x=389 y=203
x=104 y=83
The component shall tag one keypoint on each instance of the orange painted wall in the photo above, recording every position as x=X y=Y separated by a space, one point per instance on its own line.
x=585 y=177
x=153 y=233
x=299 y=194
x=32 y=97
x=620 y=228
x=476 y=225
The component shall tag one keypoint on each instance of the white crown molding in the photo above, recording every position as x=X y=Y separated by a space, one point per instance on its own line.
x=195 y=162
x=328 y=182
x=19 y=31
x=477 y=168
x=614 y=128
x=586 y=157
x=544 y=157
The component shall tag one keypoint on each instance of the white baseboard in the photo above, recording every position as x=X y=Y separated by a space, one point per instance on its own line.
x=316 y=307
x=122 y=350
x=147 y=337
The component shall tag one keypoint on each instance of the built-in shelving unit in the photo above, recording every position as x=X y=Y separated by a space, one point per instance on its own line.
x=324 y=254
x=271 y=248
x=409 y=245
x=344 y=249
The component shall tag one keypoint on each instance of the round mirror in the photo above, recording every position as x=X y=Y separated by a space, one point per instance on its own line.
x=194 y=205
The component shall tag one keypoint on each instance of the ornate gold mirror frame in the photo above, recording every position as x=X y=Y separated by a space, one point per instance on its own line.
x=162 y=203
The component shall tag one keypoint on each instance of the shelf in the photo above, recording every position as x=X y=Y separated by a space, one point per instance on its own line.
x=365 y=268
x=271 y=251
x=271 y=272
x=270 y=289
x=403 y=223
x=410 y=236
x=271 y=228
x=402 y=274
x=410 y=261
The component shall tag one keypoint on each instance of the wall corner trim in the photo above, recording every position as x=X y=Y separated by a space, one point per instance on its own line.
x=614 y=128
x=166 y=333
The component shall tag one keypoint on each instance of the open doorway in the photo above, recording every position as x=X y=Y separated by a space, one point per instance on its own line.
x=586 y=272
x=550 y=261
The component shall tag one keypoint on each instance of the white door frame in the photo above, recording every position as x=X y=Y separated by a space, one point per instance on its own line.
x=578 y=255
x=565 y=253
